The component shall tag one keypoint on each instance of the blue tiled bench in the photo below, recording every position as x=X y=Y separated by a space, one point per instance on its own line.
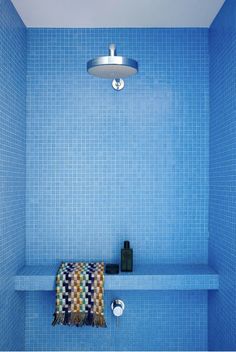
x=146 y=277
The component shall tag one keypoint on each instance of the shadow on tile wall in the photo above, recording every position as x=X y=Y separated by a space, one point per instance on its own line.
x=222 y=220
x=12 y=173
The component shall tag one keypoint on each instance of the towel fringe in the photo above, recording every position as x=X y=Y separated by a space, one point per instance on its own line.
x=79 y=319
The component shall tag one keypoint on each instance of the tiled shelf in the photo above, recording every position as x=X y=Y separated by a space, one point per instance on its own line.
x=146 y=277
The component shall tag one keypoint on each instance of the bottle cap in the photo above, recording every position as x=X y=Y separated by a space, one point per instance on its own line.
x=126 y=245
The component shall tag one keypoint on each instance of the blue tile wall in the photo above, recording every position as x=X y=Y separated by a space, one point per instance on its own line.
x=222 y=219
x=12 y=173
x=161 y=320
x=105 y=166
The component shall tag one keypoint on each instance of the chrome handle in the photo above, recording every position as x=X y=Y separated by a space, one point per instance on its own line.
x=117 y=307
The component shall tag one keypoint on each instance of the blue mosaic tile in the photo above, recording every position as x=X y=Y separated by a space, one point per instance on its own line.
x=222 y=220
x=12 y=173
x=161 y=320
x=106 y=166
x=146 y=277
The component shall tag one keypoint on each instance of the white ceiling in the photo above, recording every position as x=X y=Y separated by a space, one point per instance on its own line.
x=118 y=13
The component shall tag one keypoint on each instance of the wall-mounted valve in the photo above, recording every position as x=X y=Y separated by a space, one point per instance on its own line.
x=117 y=307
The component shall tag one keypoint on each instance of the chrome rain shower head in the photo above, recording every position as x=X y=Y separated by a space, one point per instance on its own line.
x=113 y=67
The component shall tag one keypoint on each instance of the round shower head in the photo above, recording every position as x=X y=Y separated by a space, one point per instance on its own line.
x=112 y=66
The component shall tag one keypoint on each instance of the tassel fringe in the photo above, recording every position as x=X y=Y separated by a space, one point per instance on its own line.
x=79 y=319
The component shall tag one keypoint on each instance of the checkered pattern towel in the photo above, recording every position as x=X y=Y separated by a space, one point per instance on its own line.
x=79 y=295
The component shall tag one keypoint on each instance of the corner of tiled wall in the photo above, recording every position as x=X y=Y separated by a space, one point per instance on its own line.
x=222 y=218
x=12 y=173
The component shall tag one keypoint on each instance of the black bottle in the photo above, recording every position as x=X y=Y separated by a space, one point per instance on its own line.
x=126 y=257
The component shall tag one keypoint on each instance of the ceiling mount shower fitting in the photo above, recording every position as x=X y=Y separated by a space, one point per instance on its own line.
x=113 y=67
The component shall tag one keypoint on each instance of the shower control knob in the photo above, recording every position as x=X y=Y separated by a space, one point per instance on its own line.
x=118 y=83
x=117 y=307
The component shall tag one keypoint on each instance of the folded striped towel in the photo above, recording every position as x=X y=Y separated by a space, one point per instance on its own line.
x=79 y=295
